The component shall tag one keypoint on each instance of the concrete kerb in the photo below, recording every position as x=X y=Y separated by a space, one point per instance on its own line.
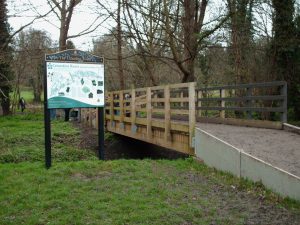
x=223 y=156
x=217 y=153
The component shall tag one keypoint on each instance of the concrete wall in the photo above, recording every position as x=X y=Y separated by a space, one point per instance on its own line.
x=216 y=153
x=223 y=156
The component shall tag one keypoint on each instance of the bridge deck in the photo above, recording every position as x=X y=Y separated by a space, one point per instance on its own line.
x=277 y=147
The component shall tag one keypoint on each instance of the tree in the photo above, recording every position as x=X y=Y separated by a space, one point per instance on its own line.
x=64 y=11
x=240 y=12
x=31 y=49
x=285 y=50
x=5 y=58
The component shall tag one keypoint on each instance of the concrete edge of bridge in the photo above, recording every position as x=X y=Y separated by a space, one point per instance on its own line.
x=221 y=155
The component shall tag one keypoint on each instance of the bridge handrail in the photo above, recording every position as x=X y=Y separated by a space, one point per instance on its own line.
x=247 y=97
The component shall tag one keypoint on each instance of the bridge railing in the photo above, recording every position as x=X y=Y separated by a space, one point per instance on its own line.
x=159 y=112
x=247 y=101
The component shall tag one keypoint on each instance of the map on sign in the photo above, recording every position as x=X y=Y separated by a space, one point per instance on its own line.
x=74 y=85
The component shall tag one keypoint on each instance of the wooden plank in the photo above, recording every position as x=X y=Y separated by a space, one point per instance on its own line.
x=222 y=95
x=181 y=85
x=249 y=103
x=149 y=113
x=111 y=106
x=243 y=122
x=283 y=91
x=167 y=111
x=266 y=109
x=177 y=146
x=140 y=109
x=133 y=112
x=241 y=86
x=158 y=111
x=180 y=111
x=192 y=114
x=200 y=96
x=121 y=97
x=158 y=100
x=181 y=99
x=244 y=98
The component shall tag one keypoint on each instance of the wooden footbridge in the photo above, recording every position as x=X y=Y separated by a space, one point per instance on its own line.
x=177 y=117
x=167 y=115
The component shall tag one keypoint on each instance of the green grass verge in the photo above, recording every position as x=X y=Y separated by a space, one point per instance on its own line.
x=126 y=192
x=121 y=191
x=22 y=139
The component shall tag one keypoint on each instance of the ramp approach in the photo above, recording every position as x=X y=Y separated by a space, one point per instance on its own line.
x=167 y=115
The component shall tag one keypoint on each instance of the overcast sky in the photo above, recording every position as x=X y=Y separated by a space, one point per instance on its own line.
x=22 y=12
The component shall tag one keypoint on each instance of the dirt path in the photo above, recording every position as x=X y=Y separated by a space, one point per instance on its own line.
x=278 y=147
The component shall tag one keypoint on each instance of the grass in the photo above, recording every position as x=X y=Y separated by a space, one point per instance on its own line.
x=27 y=94
x=22 y=139
x=122 y=191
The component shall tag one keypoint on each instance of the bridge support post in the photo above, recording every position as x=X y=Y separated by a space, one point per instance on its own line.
x=167 y=135
x=192 y=113
x=222 y=95
x=149 y=113
x=133 y=112
x=283 y=92
x=121 y=105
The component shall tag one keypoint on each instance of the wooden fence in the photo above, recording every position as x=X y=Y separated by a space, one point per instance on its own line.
x=166 y=115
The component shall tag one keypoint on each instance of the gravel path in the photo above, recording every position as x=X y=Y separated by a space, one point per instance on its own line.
x=277 y=147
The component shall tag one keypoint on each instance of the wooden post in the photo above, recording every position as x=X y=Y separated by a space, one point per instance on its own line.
x=199 y=103
x=111 y=106
x=149 y=113
x=192 y=113
x=181 y=96
x=283 y=92
x=133 y=112
x=167 y=135
x=249 y=103
x=121 y=104
x=222 y=95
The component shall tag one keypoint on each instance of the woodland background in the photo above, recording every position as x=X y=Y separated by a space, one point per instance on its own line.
x=156 y=42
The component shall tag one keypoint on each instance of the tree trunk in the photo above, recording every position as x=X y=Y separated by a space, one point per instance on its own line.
x=119 y=40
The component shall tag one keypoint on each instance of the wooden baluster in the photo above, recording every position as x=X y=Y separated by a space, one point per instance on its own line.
x=222 y=95
x=133 y=112
x=192 y=113
x=149 y=113
x=111 y=107
x=121 y=105
x=200 y=95
x=167 y=134
x=283 y=92
x=249 y=103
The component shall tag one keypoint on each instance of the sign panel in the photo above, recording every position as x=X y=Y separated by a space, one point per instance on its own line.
x=75 y=85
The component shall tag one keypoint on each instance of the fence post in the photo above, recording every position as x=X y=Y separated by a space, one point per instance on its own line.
x=199 y=103
x=149 y=113
x=111 y=106
x=222 y=95
x=133 y=112
x=283 y=91
x=249 y=103
x=181 y=96
x=167 y=135
x=121 y=104
x=192 y=113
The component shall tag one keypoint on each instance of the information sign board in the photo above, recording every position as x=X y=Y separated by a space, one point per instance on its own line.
x=75 y=85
